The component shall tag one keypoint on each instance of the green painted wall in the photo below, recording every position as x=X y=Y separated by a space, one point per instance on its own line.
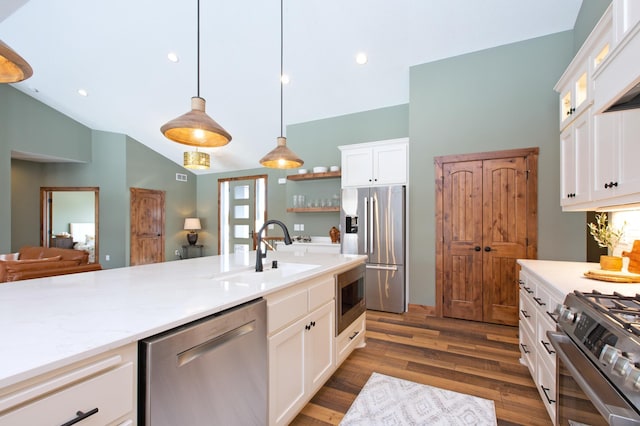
x=70 y=207
x=495 y=99
x=24 y=215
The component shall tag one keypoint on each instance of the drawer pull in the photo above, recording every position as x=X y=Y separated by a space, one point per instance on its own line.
x=544 y=391
x=80 y=416
x=527 y=289
x=546 y=346
x=553 y=316
x=524 y=348
x=539 y=301
x=525 y=314
x=355 y=333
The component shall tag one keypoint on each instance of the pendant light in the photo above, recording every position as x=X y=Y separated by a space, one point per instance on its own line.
x=196 y=128
x=13 y=68
x=281 y=157
x=196 y=160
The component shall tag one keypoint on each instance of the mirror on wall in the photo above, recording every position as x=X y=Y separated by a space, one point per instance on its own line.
x=69 y=218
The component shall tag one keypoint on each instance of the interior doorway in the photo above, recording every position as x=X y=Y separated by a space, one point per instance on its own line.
x=69 y=218
x=486 y=219
x=242 y=210
x=147 y=226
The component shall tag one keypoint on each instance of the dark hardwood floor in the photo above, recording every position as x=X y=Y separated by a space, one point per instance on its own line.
x=463 y=356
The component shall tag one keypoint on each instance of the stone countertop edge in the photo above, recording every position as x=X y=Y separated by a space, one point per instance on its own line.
x=49 y=323
x=569 y=276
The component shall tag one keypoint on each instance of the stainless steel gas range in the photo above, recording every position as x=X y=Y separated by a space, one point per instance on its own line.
x=598 y=368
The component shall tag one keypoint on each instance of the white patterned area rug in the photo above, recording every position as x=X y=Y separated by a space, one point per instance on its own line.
x=389 y=401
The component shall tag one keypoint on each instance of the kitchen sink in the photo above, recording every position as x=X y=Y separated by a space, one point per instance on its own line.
x=249 y=275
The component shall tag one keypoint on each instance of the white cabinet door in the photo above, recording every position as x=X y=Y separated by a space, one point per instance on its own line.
x=605 y=152
x=319 y=349
x=390 y=165
x=574 y=152
x=629 y=152
x=286 y=372
x=357 y=167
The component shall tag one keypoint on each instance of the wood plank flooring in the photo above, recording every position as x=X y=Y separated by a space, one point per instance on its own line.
x=463 y=356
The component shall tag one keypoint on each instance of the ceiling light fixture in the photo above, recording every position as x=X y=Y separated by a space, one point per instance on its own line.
x=196 y=160
x=196 y=128
x=13 y=67
x=281 y=157
x=361 y=58
x=173 y=57
x=83 y=92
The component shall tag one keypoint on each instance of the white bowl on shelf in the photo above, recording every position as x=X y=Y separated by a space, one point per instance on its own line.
x=334 y=168
x=302 y=171
x=320 y=169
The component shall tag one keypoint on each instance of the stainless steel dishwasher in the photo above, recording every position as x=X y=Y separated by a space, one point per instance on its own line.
x=209 y=372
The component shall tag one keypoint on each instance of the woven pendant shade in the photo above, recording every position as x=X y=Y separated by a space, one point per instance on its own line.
x=281 y=157
x=196 y=160
x=13 y=68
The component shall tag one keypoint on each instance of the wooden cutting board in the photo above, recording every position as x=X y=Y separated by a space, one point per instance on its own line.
x=612 y=276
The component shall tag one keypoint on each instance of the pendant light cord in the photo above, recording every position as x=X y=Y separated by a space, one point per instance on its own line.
x=198 y=47
x=281 y=65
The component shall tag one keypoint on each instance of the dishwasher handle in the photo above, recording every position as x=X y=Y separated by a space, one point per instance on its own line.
x=189 y=355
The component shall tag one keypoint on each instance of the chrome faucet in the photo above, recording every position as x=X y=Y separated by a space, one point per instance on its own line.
x=259 y=255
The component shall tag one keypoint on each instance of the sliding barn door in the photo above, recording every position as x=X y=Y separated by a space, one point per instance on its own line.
x=486 y=219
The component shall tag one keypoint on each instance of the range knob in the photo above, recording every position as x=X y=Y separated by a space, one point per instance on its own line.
x=565 y=314
x=622 y=365
x=609 y=354
x=632 y=380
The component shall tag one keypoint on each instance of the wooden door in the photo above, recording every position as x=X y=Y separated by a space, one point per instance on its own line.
x=486 y=219
x=462 y=201
x=504 y=238
x=147 y=226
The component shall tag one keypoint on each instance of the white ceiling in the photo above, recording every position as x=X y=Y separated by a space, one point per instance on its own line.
x=117 y=51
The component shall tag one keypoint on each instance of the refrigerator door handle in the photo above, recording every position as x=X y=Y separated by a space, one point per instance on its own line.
x=382 y=267
x=372 y=219
x=366 y=225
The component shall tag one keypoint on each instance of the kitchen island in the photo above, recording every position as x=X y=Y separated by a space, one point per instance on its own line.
x=52 y=324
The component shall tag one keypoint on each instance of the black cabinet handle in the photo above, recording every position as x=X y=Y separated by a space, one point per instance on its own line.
x=539 y=301
x=553 y=316
x=546 y=346
x=80 y=416
x=487 y=248
x=353 y=336
x=545 y=390
x=527 y=289
x=610 y=185
x=525 y=314
x=524 y=348
x=477 y=248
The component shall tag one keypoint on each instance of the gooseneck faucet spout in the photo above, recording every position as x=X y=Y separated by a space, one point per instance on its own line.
x=259 y=255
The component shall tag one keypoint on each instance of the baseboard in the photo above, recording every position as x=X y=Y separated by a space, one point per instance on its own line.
x=429 y=311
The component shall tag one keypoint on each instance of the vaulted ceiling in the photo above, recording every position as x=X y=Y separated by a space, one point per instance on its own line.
x=117 y=50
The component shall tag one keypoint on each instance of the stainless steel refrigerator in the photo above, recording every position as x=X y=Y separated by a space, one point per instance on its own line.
x=373 y=224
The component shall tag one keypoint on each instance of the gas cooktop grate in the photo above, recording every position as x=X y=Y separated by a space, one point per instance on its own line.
x=625 y=310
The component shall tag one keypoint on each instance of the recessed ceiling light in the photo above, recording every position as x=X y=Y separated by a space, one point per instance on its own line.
x=173 y=57
x=83 y=92
x=361 y=58
x=284 y=79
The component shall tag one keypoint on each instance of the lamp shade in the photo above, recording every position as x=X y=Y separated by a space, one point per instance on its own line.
x=196 y=128
x=13 y=68
x=281 y=157
x=196 y=160
x=192 y=224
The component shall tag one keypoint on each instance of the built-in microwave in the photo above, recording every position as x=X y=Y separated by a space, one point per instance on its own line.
x=350 y=301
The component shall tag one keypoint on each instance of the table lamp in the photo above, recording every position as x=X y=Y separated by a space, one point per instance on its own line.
x=192 y=224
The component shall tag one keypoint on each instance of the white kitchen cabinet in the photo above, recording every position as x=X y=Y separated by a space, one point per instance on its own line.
x=575 y=95
x=616 y=150
x=375 y=163
x=301 y=327
x=574 y=161
x=626 y=16
x=538 y=300
x=101 y=389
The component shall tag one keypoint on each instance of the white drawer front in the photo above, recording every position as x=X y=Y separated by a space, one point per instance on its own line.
x=321 y=292
x=547 y=387
x=111 y=393
x=528 y=313
x=350 y=338
x=528 y=350
x=285 y=308
x=546 y=352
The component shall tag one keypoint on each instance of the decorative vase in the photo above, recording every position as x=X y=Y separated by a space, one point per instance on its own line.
x=610 y=263
x=334 y=233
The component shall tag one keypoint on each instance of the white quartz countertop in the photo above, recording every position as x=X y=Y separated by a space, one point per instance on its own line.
x=47 y=323
x=569 y=276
